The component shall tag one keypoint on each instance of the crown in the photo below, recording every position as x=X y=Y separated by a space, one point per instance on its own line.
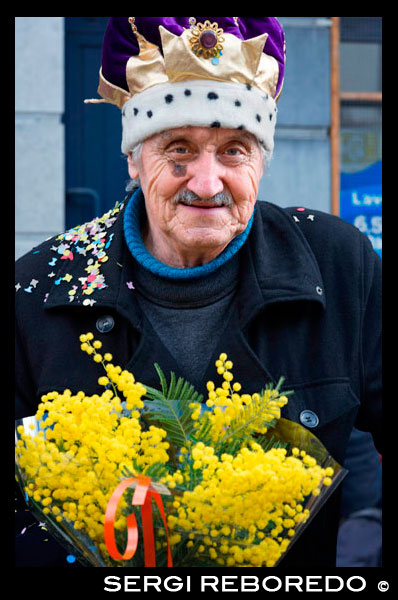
x=170 y=72
x=203 y=51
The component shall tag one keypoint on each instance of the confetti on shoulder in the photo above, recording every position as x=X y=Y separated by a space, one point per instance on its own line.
x=89 y=239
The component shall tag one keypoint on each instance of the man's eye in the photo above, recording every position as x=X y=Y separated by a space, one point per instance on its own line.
x=180 y=150
x=233 y=152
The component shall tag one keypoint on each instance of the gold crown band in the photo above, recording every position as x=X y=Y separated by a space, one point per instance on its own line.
x=186 y=57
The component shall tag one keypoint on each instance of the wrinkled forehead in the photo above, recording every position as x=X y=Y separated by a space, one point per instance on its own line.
x=206 y=135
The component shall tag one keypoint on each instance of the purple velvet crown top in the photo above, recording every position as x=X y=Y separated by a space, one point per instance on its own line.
x=120 y=43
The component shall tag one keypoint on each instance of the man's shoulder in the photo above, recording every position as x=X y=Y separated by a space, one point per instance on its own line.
x=37 y=266
x=319 y=228
x=77 y=250
x=334 y=243
x=306 y=217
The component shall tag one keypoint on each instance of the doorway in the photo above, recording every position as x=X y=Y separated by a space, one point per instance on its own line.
x=96 y=170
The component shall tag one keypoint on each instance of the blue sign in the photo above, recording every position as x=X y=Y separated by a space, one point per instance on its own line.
x=361 y=202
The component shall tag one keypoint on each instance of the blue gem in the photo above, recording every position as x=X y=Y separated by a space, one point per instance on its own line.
x=70 y=558
x=215 y=61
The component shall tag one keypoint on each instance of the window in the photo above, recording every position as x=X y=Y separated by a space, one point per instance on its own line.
x=356 y=49
x=360 y=92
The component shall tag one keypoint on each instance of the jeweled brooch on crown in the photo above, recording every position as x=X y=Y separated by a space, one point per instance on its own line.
x=207 y=39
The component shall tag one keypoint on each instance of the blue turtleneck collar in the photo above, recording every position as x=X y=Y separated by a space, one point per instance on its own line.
x=133 y=215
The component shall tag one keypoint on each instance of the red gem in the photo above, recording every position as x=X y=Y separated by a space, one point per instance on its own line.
x=300 y=209
x=208 y=39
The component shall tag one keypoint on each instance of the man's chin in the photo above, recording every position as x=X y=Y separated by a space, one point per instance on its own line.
x=197 y=239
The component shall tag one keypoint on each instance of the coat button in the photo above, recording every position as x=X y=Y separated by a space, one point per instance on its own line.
x=309 y=418
x=319 y=290
x=105 y=324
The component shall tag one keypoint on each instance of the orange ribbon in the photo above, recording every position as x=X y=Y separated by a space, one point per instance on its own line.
x=142 y=497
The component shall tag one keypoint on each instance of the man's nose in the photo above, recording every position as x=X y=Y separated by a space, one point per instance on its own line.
x=206 y=176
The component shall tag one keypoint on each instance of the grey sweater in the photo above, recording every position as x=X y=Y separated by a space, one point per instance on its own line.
x=189 y=315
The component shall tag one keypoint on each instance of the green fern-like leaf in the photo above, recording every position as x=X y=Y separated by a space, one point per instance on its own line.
x=268 y=442
x=169 y=408
x=240 y=431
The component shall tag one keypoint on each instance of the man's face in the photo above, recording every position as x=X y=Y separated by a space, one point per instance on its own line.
x=200 y=185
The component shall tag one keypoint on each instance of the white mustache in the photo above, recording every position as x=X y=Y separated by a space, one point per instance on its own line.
x=190 y=198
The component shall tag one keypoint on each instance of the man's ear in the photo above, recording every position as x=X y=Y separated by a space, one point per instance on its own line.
x=132 y=166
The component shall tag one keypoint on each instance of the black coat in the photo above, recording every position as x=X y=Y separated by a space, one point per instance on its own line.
x=309 y=309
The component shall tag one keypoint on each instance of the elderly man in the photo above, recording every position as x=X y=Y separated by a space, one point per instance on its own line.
x=192 y=264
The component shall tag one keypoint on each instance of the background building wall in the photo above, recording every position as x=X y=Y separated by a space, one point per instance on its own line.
x=300 y=173
x=39 y=131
